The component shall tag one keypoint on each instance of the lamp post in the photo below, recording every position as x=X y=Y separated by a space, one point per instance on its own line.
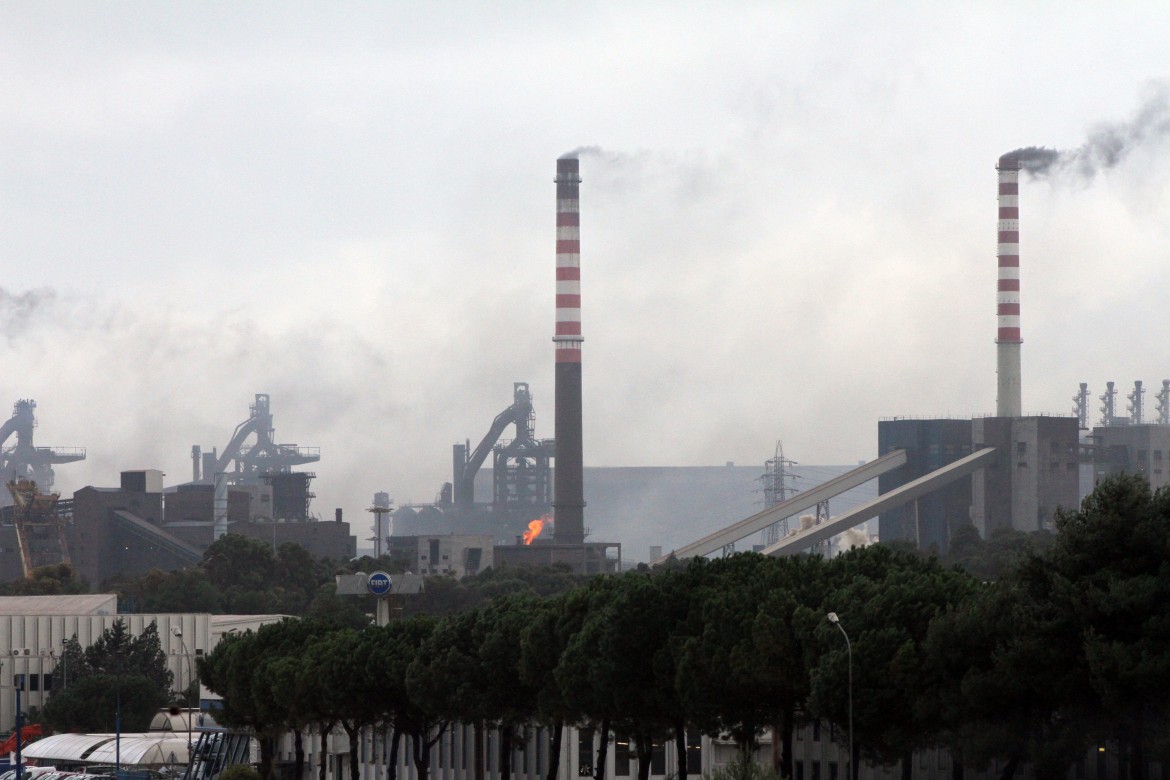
x=19 y=725
x=849 y=650
x=192 y=679
x=117 y=717
x=118 y=725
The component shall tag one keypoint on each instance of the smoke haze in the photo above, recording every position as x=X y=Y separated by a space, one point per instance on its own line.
x=1107 y=145
x=351 y=209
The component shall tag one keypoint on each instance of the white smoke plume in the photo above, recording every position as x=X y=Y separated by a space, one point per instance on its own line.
x=574 y=154
x=17 y=310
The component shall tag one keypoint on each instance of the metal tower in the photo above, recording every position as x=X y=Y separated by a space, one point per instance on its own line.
x=1136 y=402
x=777 y=473
x=1081 y=408
x=1109 y=404
x=1163 y=406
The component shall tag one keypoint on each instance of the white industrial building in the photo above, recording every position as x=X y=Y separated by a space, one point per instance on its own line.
x=33 y=630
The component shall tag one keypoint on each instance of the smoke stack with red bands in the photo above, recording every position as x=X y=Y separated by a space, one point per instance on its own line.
x=1008 y=340
x=568 y=485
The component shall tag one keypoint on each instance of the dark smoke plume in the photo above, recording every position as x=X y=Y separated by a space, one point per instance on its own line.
x=1034 y=159
x=1106 y=146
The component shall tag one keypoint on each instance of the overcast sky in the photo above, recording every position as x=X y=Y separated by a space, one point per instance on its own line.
x=788 y=223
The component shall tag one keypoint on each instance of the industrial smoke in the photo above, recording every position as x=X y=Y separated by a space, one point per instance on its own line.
x=1107 y=145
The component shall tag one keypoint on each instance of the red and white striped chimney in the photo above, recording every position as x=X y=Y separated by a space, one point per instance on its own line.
x=568 y=479
x=1008 y=401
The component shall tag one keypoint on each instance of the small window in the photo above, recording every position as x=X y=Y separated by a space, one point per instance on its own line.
x=658 y=759
x=585 y=752
x=621 y=756
x=694 y=752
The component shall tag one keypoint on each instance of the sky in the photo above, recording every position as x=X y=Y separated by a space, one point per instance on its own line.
x=788 y=223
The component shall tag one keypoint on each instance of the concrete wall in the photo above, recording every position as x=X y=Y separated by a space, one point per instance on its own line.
x=1035 y=473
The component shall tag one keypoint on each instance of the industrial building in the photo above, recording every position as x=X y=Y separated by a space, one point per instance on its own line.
x=141 y=524
x=34 y=628
x=1035 y=471
x=24 y=461
x=526 y=488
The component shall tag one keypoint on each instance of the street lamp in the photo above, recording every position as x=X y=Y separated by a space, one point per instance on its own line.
x=117 y=716
x=178 y=633
x=849 y=650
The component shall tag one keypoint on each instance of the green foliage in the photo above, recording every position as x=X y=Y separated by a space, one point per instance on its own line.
x=56 y=579
x=116 y=671
x=1066 y=643
x=886 y=600
x=183 y=590
x=743 y=767
x=240 y=575
x=997 y=557
x=240 y=772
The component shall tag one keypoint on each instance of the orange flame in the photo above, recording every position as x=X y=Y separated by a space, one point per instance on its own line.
x=534 y=529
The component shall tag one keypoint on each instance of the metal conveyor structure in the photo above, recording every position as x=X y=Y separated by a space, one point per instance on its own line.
x=911 y=491
x=793 y=506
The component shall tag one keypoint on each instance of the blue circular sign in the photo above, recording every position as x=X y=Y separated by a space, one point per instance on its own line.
x=379 y=583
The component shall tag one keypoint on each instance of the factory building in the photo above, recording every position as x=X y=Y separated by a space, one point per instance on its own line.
x=1036 y=472
x=1036 y=467
x=34 y=628
x=454 y=555
x=526 y=488
x=1132 y=449
x=24 y=461
x=929 y=445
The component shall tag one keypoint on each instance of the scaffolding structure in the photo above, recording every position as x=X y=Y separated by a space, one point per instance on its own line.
x=40 y=528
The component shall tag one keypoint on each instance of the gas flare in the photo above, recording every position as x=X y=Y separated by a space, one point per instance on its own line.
x=534 y=529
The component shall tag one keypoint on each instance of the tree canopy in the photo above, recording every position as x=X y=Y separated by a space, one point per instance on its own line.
x=117 y=674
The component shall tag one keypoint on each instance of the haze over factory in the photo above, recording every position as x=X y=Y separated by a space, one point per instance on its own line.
x=342 y=227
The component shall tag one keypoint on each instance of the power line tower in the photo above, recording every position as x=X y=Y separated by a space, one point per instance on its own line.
x=778 y=476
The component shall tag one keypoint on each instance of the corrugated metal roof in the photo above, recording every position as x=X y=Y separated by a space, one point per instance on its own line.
x=65 y=747
x=89 y=604
x=135 y=749
x=148 y=750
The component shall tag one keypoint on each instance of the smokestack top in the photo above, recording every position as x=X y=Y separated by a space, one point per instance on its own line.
x=1033 y=159
x=568 y=171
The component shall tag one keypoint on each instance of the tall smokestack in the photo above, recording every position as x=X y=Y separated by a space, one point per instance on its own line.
x=1008 y=396
x=568 y=485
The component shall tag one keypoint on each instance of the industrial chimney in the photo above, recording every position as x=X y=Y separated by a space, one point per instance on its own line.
x=1008 y=396
x=568 y=484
